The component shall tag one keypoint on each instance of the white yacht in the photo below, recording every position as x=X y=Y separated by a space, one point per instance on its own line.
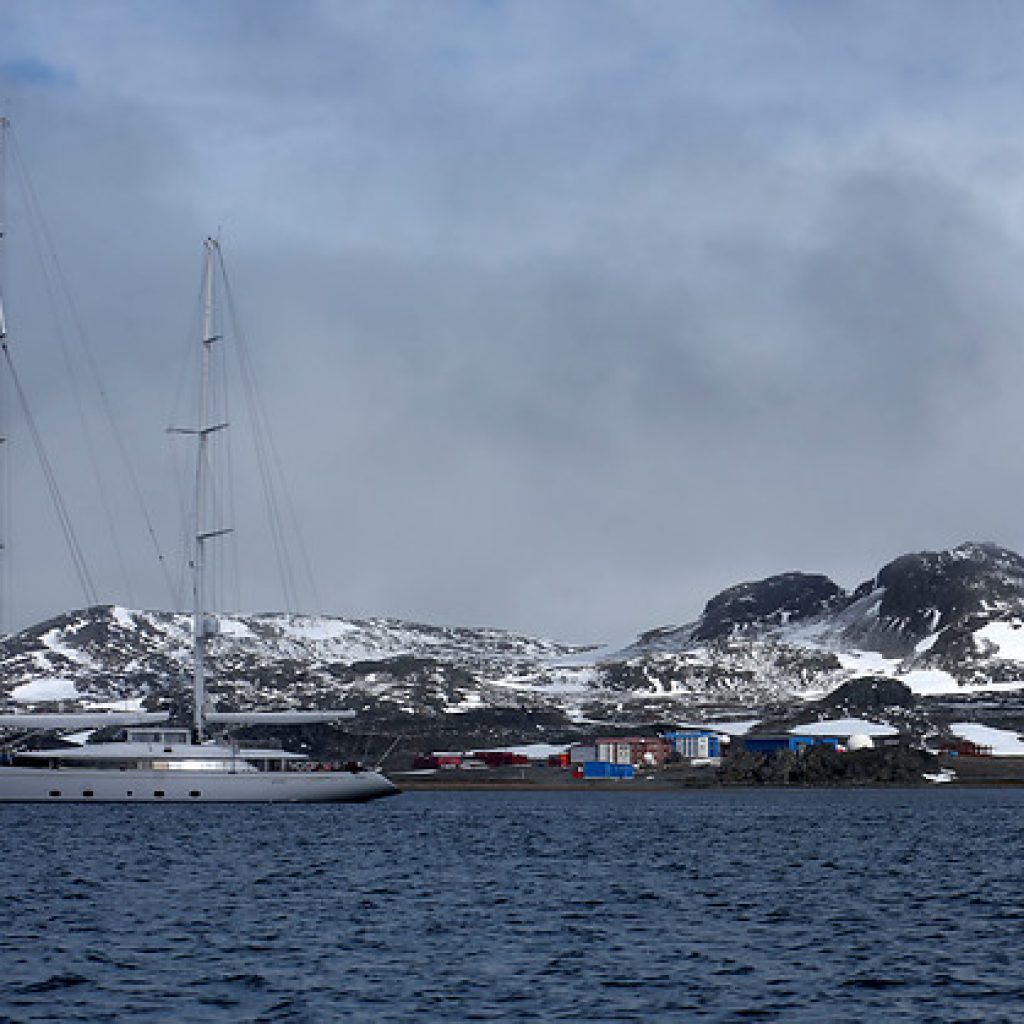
x=158 y=761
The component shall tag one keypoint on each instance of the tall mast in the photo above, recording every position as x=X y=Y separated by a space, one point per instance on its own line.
x=204 y=625
x=5 y=610
x=4 y=123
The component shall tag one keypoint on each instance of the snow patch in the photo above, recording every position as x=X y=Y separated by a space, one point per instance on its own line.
x=868 y=662
x=122 y=617
x=319 y=629
x=72 y=654
x=1006 y=637
x=1003 y=742
x=233 y=628
x=844 y=727
x=930 y=682
x=45 y=689
x=734 y=727
x=933 y=682
x=589 y=655
x=564 y=683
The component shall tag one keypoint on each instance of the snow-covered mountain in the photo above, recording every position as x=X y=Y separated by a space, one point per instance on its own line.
x=942 y=622
x=946 y=628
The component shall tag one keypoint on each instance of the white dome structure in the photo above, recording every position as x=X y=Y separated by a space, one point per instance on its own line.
x=860 y=741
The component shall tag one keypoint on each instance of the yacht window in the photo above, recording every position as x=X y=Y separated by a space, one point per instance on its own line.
x=86 y=792
x=158 y=792
x=195 y=764
x=194 y=792
x=54 y=792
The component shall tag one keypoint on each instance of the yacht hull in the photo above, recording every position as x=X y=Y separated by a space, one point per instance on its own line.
x=135 y=785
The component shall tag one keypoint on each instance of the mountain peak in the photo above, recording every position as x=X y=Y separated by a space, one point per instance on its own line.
x=778 y=600
x=928 y=591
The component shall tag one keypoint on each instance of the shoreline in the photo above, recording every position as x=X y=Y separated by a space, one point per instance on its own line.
x=970 y=772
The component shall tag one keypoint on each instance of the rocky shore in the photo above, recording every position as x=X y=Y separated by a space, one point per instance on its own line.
x=824 y=766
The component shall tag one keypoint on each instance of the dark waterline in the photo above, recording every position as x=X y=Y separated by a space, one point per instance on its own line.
x=727 y=905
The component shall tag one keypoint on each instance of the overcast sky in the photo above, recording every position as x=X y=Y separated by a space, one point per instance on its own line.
x=568 y=314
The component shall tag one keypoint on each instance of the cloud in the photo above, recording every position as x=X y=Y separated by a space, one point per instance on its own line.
x=29 y=71
x=567 y=315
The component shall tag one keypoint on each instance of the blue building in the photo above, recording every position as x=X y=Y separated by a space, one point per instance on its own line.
x=771 y=744
x=607 y=770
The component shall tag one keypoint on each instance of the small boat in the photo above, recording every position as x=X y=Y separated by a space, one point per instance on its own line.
x=157 y=761
x=942 y=775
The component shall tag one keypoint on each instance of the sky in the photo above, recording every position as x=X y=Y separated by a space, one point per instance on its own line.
x=567 y=314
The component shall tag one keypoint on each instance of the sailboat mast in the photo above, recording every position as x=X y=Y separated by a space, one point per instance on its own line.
x=5 y=610
x=201 y=624
x=4 y=123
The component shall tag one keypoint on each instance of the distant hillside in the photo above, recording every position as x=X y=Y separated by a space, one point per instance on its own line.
x=943 y=628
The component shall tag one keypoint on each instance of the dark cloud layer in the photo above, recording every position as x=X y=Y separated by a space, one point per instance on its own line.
x=567 y=314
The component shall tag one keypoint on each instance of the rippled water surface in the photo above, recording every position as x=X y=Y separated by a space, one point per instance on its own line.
x=741 y=905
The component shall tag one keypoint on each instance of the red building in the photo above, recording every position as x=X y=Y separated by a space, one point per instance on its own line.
x=965 y=748
x=441 y=760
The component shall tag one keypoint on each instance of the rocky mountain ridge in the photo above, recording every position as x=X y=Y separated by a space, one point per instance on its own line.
x=930 y=634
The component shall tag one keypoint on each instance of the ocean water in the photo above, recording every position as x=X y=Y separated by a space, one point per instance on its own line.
x=887 y=905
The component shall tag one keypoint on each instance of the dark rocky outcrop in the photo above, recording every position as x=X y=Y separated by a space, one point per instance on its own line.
x=823 y=766
x=789 y=597
x=868 y=695
x=943 y=591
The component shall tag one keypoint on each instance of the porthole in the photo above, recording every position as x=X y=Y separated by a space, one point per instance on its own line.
x=130 y=793
x=54 y=792
x=158 y=792
x=87 y=792
x=194 y=792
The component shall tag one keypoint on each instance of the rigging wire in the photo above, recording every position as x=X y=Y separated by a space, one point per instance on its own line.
x=36 y=216
x=77 y=557
x=277 y=533
x=225 y=510
x=271 y=469
x=38 y=234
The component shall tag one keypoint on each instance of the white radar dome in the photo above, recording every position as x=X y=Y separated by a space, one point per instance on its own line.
x=860 y=741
